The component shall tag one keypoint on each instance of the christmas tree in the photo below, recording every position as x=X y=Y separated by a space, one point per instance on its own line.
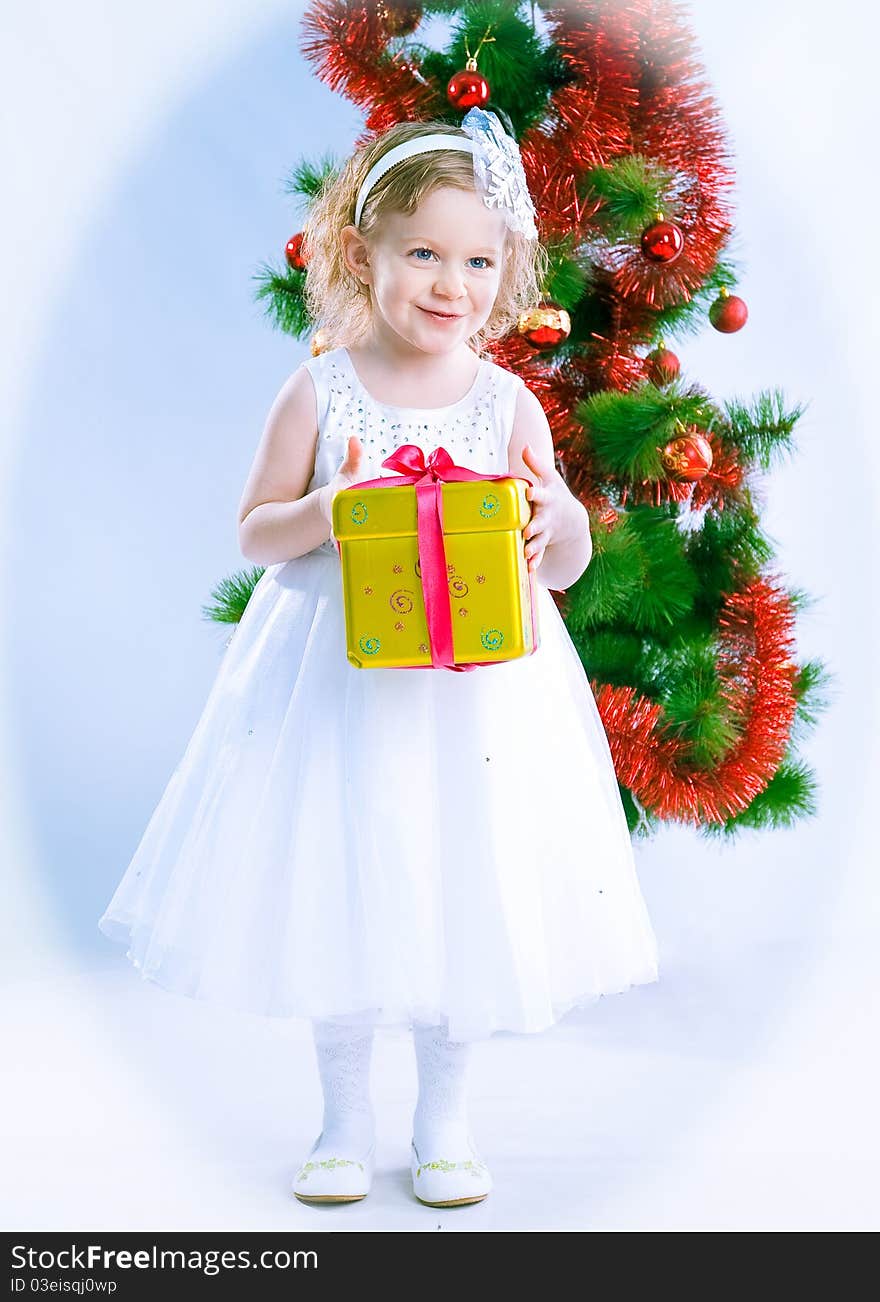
x=682 y=625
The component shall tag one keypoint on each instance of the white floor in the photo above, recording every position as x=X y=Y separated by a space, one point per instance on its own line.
x=678 y=1106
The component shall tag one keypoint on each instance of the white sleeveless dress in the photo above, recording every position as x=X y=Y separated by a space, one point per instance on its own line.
x=381 y=845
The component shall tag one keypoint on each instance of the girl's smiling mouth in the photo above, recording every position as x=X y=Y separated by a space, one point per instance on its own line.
x=441 y=316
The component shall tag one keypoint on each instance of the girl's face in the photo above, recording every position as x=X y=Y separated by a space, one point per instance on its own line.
x=433 y=275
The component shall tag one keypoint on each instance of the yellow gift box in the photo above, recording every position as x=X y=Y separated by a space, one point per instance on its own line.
x=434 y=573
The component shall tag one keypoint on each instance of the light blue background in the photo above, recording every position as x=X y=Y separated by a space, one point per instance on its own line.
x=147 y=387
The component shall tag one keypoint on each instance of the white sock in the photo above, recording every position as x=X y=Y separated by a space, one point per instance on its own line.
x=343 y=1053
x=440 y=1120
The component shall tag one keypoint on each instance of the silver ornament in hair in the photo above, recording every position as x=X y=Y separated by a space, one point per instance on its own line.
x=499 y=171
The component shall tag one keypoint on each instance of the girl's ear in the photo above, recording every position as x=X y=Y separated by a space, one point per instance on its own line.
x=356 y=254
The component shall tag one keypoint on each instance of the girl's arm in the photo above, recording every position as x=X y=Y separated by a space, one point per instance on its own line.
x=277 y=519
x=558 y=541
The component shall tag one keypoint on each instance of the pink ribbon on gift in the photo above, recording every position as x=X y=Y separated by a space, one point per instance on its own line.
x=428 y=476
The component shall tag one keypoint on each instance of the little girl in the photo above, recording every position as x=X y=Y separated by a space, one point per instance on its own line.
x=443 y=852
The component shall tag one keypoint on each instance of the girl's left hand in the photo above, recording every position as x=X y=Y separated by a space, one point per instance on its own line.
x=553 y=508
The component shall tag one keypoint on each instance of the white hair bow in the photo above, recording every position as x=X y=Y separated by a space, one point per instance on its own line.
x=499 y=171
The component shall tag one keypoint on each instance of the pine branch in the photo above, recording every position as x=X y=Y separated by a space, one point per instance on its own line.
x=667 y=591
x=629 y=430
x=693 y=702
x=282 y=294
x=442 y=6
x=814 y=690
x=513 y=62
x=791 y=794
x=800 y=599
x=307 y=179
x=616 y=571
x=641 y=822
x=762 y=428
x=566 y=278
x=613 y=655
x=632 y=189
x=688 y=318
x=728 y=550
x=232 y=595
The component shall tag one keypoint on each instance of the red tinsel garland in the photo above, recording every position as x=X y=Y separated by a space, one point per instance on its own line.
x=755 y=661
x=723 y=483
x=345 y=41
x=640 y=56
x=587 y=121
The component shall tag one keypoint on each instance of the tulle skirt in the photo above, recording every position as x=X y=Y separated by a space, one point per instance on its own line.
x=385 y=845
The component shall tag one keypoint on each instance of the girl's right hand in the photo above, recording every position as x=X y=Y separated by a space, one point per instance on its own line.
x=348 y=473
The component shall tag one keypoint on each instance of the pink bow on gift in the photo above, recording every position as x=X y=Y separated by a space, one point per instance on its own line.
x=428 y=477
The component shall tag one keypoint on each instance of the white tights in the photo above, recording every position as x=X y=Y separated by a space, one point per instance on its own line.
x=440 y=1122
x=344 y=1054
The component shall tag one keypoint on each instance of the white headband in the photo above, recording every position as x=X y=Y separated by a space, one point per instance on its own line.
x=421 y=145
x=498 y=169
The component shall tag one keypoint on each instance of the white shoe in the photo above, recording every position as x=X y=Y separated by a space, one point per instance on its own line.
x=335 y=1179
x=450 y=1184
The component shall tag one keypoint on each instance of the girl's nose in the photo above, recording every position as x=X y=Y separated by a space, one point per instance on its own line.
x=449 y=283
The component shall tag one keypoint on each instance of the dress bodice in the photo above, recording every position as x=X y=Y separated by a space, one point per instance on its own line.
x=475 y=431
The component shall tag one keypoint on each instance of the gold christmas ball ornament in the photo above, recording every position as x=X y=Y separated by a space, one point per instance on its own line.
x=545 y=325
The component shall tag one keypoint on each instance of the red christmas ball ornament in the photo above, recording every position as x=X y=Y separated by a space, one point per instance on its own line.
x=662 y=242
x=399 y=19
x=728 y=313
x=545 y=325
x=688 y=457
x=468 y=88
x=293 y=252
x=662 y=366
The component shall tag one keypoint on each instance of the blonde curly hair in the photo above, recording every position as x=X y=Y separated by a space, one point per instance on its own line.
x=337 y=301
